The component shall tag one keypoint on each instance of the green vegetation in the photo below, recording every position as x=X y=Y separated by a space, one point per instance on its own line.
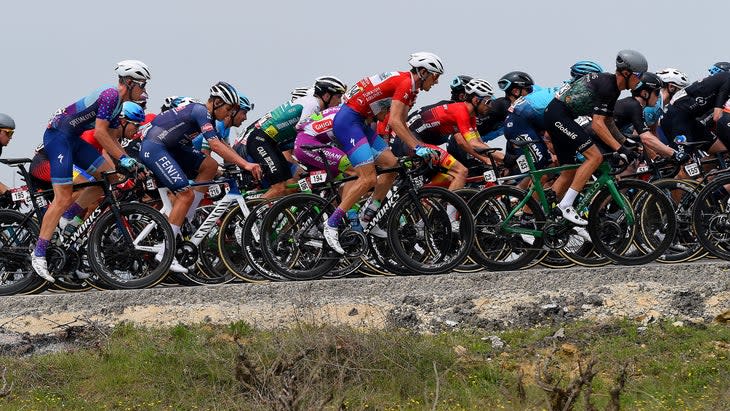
x=310 y=367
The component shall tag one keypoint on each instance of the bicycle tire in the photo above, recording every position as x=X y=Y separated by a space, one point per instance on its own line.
x=443 y=247
x=18 y=235
x=119 y=265
x=710 y=216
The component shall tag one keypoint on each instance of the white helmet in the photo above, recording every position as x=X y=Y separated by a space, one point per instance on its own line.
x=479 y=88
x=176 y=101
x=300 y=92
x=134 y=69
x=429 y=61
x=329 y=84
x=226 y=92
x=674 y=76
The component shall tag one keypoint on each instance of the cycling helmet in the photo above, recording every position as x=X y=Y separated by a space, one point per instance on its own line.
x=429 y=61
x=480 y=88
x=132 y=112
x=175 y=101
x=649 y=82
x=718 y=67
x=134 y=69
x=583 y=67
x=631 y=60
x=226 y=92
x=6 y=121
x=673 y=76
x=515 y=79
x=329 y=84
x=458 y=83
x=299 y=92
x=244 y=103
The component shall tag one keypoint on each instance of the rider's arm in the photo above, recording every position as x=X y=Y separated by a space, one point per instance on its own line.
x=653 y=143
x=105 y=137
x=606 y=130
x=229 y=155
x=397 y=123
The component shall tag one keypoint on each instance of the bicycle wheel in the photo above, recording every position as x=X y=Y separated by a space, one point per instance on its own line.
x=469 y=265
x=433 y=242
x=209 y=268
x=240 y=249
x=291 y=237
x=18 y=235
x=685 y=246
x=644 y=241
x=711 y=217
x=121 y=264
x=496 y=249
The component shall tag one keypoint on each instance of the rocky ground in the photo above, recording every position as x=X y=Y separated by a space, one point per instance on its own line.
x=691 y=292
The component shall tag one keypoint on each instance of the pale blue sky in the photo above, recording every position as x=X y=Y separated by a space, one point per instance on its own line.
x=56 y=52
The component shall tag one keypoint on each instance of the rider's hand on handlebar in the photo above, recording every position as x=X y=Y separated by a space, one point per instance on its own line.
x=254 y=169
x=627 y=154
x=426 y=153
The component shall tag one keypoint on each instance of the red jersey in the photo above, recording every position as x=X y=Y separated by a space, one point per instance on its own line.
x=90 y=138
x=443 y=120
x=373 y=94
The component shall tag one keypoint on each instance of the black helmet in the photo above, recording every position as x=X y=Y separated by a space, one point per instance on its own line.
x=459 y=82
x=329 y=84
x=649 y=82
x=515 y=79
x=631 y=60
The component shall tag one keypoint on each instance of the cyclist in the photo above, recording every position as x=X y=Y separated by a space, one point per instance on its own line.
x=525 y=120
x=270 y=139
x=673 y=80
x=719 y=67
x=237 y=117
x=369 y=97
x=130 y=120
x=7 y=128
x=168 y=152
x=434 y=124
x=628 y=115
x=692 y=108
x=596 y=94
x=316 y=132
x=458 y=86
x=100 y=111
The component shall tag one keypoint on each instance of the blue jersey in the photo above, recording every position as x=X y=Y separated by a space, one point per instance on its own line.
x=180 y=125
x=103 y=103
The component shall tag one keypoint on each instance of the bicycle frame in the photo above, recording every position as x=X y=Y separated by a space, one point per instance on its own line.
x=605 y=179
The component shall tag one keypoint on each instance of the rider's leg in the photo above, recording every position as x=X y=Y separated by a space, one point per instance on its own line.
x=593 y=158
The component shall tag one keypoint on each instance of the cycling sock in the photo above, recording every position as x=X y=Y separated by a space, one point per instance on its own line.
x=568 y=199
x=336 y=217
x=194 y=206
x=175 y=230
x=40 y=247
x=370 y=210
x=73 y=211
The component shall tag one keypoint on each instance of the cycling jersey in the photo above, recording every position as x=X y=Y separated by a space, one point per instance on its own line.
x=628 y=114
x=281 y=123
x=703 y=95
x=103 y=104
x=317 y=132
x=594 y=93
x=493 y=120
x=178 y=126
x=90 y=137
x=201 y=143
x=435 y=123
x=373 y=94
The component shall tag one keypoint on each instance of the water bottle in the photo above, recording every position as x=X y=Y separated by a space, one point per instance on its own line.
x=681 y=139
x=352 y=215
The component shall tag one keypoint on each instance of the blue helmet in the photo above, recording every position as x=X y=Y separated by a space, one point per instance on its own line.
x=719 y=67
x=245 y=103
x=132 y=112
x=583 y=67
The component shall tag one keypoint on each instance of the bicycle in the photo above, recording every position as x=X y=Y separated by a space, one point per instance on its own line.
x=619 y=213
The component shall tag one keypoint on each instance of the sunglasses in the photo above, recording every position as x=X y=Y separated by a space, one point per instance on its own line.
x=140 y=84
x=10 y=131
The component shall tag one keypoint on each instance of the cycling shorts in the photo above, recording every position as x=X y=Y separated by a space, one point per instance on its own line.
x=360 y=142
x=337 y=160
x=65 y=150
x=568 y=136
x=520 y=127
x=173 y=166
x=266 y=152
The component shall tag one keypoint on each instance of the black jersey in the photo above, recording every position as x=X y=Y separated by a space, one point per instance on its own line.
x=704 y=95
x=594 y=93
x=494 y=119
